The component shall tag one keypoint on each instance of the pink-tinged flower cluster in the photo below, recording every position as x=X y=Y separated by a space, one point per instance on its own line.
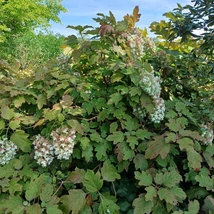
x=61 y=146
x=7 y=150
x=208 y=134
x=137 y=44
x=63 y=142
x=44 y=153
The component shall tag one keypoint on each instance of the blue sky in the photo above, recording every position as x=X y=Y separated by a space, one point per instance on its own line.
x=81 y=12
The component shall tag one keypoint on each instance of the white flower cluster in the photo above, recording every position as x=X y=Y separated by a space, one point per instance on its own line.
x=7 y=151
x=61 y=146
x=150 y=84
x=63 y=142
x=159 y=113
x=43 y=151
x=208 y=134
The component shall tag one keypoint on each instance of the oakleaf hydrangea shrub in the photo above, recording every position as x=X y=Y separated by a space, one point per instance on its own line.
x=110 y=132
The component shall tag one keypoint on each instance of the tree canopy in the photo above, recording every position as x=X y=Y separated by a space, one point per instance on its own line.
x=20 y=16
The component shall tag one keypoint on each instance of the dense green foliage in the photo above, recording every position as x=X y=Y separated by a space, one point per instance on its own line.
x=121 y=125
x=29 y=50
x=24 y=15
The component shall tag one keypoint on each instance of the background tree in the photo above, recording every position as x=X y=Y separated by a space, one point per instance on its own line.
x=24 y=15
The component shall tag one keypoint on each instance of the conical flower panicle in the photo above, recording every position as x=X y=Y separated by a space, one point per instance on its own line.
x=150 y=84
x=63 y=142
x=208 y=133
x=159 y=113
x=43 y=151
x=7 y=151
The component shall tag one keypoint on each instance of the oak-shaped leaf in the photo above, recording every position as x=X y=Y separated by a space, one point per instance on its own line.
x=20 y=138
x=74 y=202
x=151 y=193
x=92 y=182
x=205 y=181
x=145 y=179
x=108 y=205
x=76 y=176
x=193 y=207
x=109 y=172
x=170 y=179
x=116 y=137
x=157 y=147
x=141 y=206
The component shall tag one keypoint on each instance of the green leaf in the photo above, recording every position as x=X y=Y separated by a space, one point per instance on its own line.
x=132 y=141
x=113 y=127
x=47 y=192
x=88 y=153
x=208 y=206
x=177 y=124
x=34 y=189
x=14 y=124
x=20 y=138
x=196 y=192
x=107 y=205
x=170 y=137
x=205 y=181
x=85 y=142
x=109 y=172
x=2 y=124
x=76 y=176
x=95 y=136
x=41 y=100
x=166 y=195
x=6 y=112
x=102 y=115
x=194 y=159
x=76 y=125
x=34 y=209
x=141 y=206
x=143 y=134
x=151 y=193
x=114 y=99
x=157 y=147
x=178 y=193
x=116 y=77
x=185 y=144
x=11 y=204
x=209 y=159
x=144 y=178
x=15 y=186
x=170 y=179
x=101 y=150
x=86 y=210
x=53 y=209
x=140 y=162
x=74 y=202
x=116 y=137
x=18 y=101
x=92 y=181
x=193 y=207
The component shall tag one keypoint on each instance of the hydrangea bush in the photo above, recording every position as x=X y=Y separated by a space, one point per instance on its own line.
x=113 y=130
